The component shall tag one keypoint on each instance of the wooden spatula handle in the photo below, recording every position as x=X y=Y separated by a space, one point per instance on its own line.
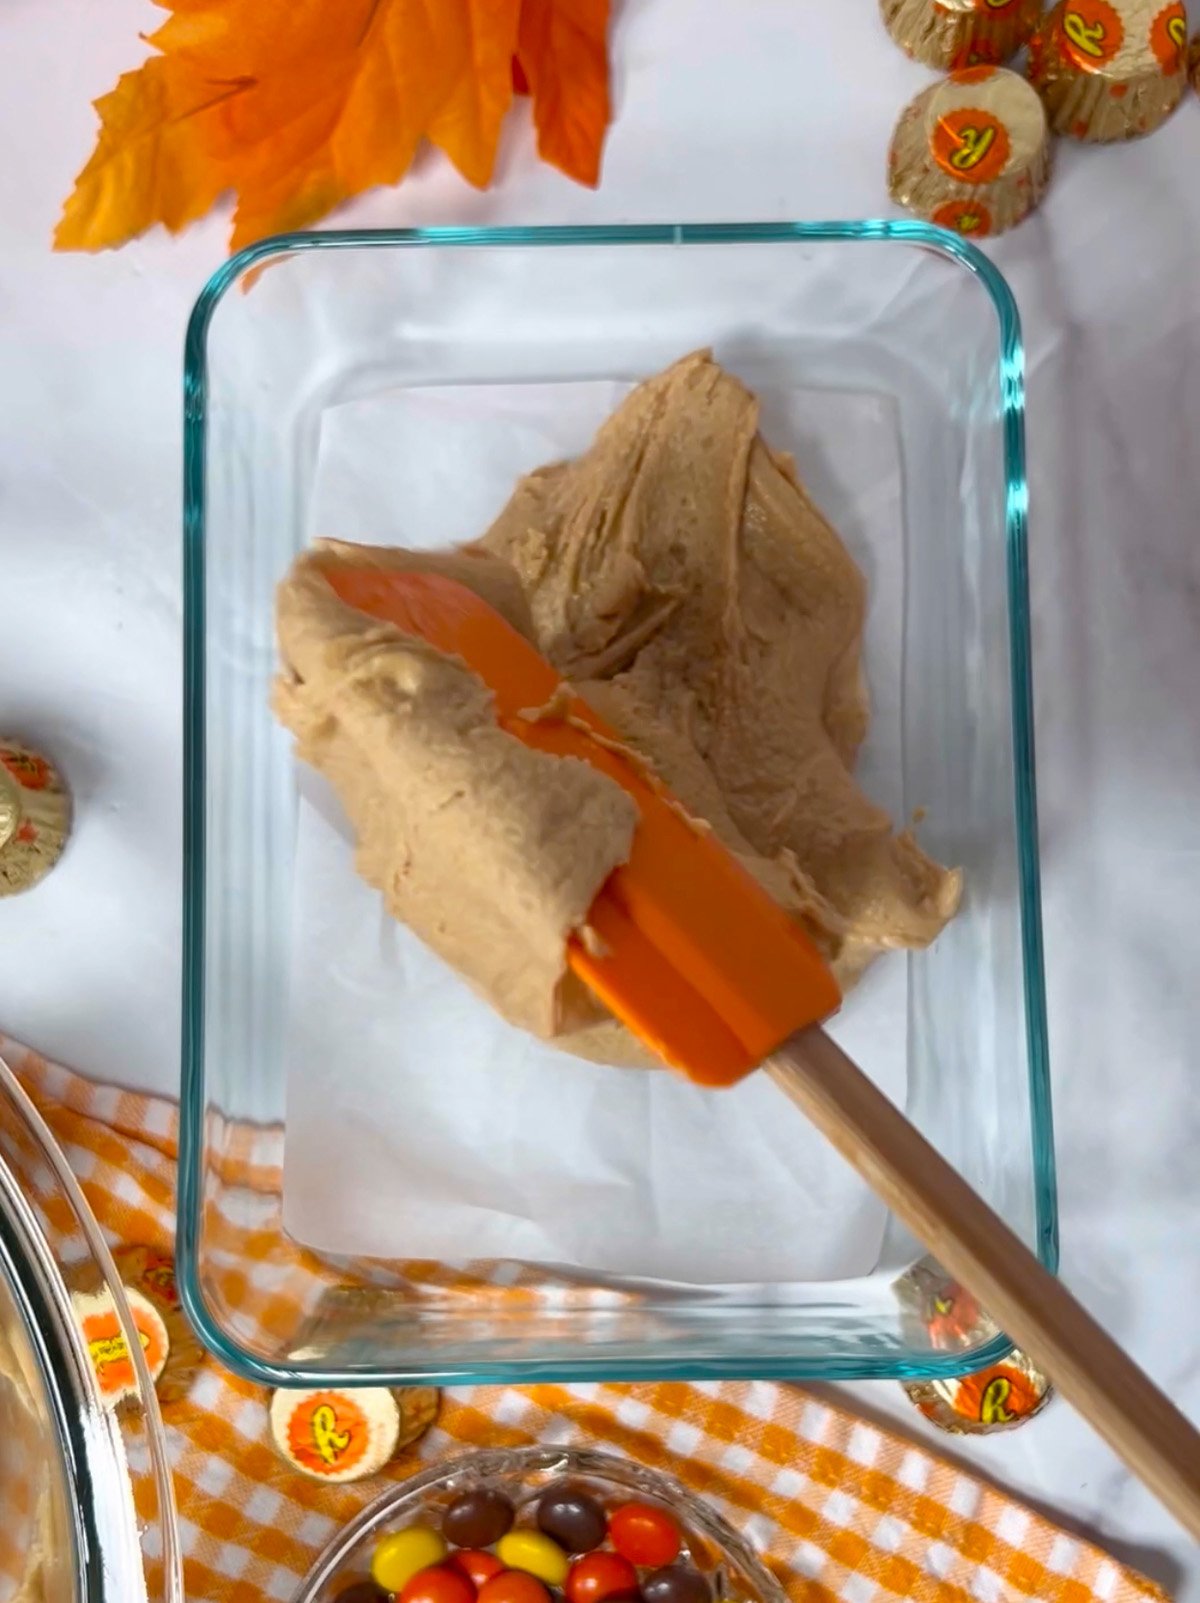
x=978 y=1249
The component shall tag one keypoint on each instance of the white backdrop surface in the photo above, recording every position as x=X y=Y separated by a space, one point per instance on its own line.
x=767 y=109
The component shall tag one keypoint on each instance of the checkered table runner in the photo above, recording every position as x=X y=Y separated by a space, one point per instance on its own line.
x=838 y=1508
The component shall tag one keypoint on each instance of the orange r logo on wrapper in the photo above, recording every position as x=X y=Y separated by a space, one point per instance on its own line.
x=998 y=1396
x=327 y=1434
x=996 y=1393
x=1091 y=34
x=972 y=146
x=109 y=1351
x=964 y=217
x=1168 y=37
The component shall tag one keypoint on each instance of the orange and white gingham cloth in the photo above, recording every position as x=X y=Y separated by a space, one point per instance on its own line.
x=839 y=1509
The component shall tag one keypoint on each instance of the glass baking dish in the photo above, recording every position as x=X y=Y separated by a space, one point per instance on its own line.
x=905 y=314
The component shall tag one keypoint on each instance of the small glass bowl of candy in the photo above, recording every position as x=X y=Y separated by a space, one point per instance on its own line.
x=540 y=1525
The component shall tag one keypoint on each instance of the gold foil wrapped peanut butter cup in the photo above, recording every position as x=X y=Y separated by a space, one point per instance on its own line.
x=342 y=1434
x=949 y=34
x=972 y=153
x=1110 y=69
x=937 y=1311
x=1002 y=1397
x=35 y=817
x=151 y=1273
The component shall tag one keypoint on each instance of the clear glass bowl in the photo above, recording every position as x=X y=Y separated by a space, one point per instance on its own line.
x=901 y=312
x=735 y=1571
x=86 y=1493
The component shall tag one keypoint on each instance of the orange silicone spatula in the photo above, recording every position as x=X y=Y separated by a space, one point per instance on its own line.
x=710 y=973
x=699 y=962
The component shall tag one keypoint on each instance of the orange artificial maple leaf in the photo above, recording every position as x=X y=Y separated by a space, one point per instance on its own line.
x=297 y=105
x=562 y=56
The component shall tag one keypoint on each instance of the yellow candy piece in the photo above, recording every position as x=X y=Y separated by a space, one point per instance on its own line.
x=398 y=1557
x=535 y=1554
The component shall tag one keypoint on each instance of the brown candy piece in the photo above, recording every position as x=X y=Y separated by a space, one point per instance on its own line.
x=478 y=1518
x=676 y=1583
x=573 y=1517
x=1110 y=69
x=972 y=153
x=951 y=34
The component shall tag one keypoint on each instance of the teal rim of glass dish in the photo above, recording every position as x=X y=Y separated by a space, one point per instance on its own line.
x=868 y=1365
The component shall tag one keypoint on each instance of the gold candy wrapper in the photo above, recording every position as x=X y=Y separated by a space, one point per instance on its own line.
x=152 y=1273
x=336 y=1434
x=104 y=1337
x=347 y=1314
x=950 y=34
x=1002 y=1397
x=344 y=1317
x=1110 y=69
x=35 y=817
x=937 y=1310
x=418 y=1409
x=345 y=1433
x=972 y=153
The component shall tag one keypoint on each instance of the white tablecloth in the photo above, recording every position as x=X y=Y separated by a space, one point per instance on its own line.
x=761 y=109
